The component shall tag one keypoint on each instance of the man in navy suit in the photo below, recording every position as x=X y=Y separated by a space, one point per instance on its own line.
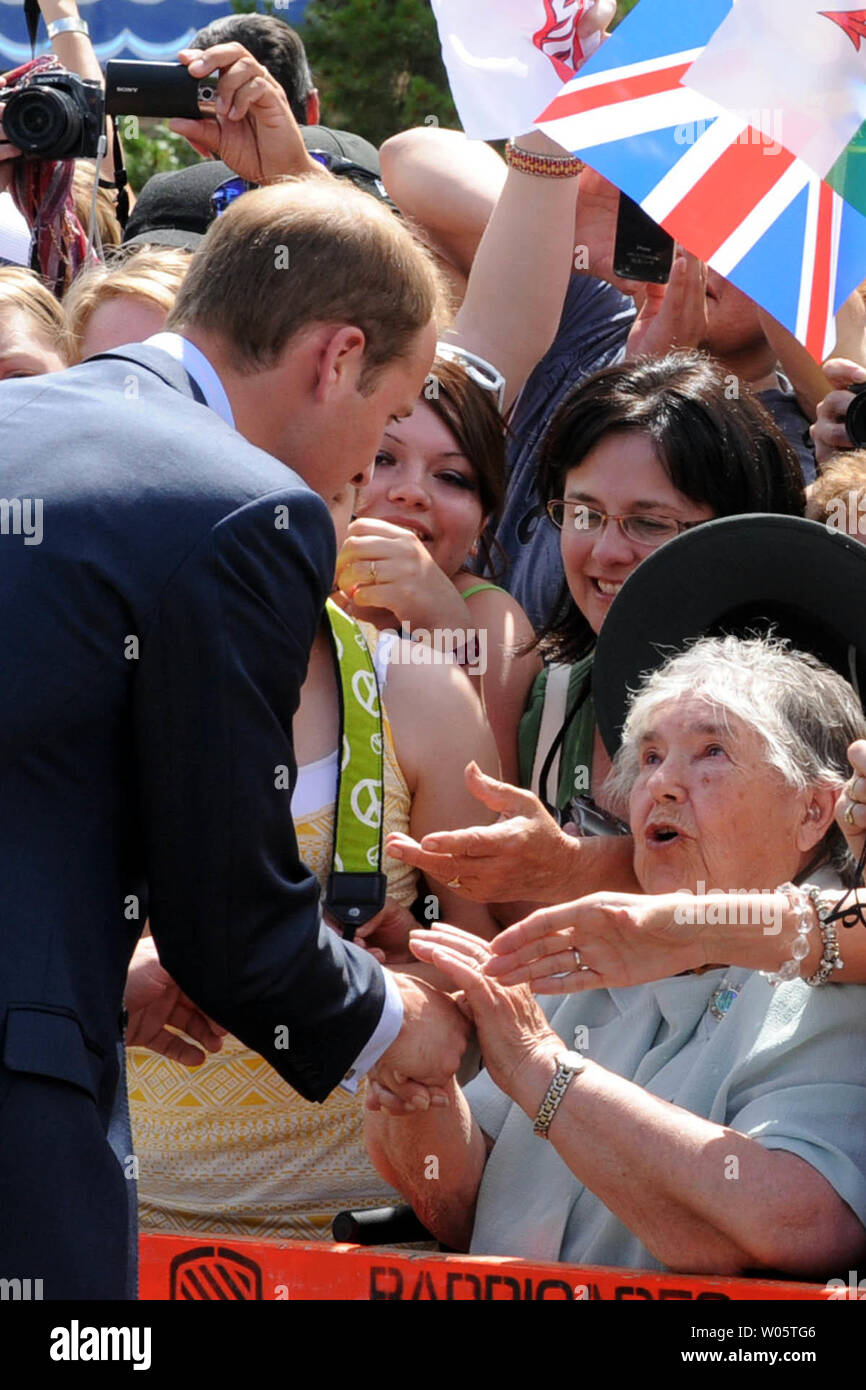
x=164 y=561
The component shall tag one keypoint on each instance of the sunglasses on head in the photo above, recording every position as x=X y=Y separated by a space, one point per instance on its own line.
x=227 y=193
x=483 y=373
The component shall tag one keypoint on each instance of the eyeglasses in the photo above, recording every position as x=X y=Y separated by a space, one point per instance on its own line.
x=226 y=193
x=483 y=373
x=642 y=529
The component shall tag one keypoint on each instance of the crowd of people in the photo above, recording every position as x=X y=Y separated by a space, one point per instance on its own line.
x=348 y=730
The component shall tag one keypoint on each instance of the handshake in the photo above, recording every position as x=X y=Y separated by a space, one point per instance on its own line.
x=412 y=1074
x=415 y=1072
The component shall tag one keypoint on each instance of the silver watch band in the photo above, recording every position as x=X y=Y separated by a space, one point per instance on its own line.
x=571 y=1064
x=68 y=26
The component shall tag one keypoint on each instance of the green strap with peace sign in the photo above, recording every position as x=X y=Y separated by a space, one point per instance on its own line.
x=356 y=885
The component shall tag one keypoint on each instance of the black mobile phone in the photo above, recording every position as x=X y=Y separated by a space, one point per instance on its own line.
x=643 y=250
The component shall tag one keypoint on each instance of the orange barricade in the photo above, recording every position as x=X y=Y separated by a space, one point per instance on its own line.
x=220 y=1267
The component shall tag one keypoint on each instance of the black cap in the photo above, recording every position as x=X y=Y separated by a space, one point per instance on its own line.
x=174 y=209
x=741 y=575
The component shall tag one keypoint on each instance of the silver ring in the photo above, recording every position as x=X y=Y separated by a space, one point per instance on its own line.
x=577 y=964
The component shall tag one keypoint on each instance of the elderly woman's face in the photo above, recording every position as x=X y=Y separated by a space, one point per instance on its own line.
x=622 y=476
x=707 y=807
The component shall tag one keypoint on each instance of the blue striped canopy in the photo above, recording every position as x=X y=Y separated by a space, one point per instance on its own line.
x=150 y=29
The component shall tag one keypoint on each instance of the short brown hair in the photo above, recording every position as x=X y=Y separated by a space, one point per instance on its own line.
x=840 y=476
x=304 y=251
x=152 y=273
x=23 y=290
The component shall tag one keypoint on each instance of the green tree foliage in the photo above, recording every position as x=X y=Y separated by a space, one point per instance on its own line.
x=378 y=65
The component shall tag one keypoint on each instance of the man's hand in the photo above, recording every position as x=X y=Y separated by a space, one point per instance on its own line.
x=672 y=315
x=603 y=941
x=829 y=434
x=524 y=856
x=153 y=1001
x=254 y=131
x=413 y=1073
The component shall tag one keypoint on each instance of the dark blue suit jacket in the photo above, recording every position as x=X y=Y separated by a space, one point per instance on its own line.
x=152 y=649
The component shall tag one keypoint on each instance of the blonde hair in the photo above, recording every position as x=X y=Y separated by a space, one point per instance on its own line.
x=840 y=476
x=153 y=274
x=309 y=250
x=22 y=290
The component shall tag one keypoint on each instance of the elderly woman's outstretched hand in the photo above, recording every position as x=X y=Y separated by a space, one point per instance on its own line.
x=602 y=941
x=512 y=1031
x=524 y=856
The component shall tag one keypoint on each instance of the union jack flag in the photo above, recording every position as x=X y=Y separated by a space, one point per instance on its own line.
x=714 y=179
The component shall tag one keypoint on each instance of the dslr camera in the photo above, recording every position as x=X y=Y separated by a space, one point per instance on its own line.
x=55 y=115
x=58 y=115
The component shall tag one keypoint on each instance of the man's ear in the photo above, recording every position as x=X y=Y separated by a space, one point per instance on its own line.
x=340 y=361
x=819 y=810
x=313 y=108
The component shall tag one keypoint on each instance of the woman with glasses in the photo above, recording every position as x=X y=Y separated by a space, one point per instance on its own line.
x=636 y=455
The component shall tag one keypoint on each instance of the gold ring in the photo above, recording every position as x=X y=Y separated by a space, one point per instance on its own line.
x=849 y=813
x=576 y=954
x=372 y=571
x=455 y=882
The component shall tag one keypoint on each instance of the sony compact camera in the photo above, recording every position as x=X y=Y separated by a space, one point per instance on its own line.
x=58 y=115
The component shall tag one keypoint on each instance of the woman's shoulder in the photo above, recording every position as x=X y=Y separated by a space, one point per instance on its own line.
x=483 y=594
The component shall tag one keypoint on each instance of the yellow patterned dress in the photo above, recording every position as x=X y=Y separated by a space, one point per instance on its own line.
x=229 y=1146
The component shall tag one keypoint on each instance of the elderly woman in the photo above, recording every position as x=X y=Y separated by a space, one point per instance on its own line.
x=715 y=1122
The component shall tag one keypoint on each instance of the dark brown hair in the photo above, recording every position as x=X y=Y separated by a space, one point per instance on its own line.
x=713 y=437
x=472 y=416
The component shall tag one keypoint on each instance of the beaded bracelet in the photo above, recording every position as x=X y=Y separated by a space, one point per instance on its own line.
x=551 y=166
x=802 y=905
x=831 y=958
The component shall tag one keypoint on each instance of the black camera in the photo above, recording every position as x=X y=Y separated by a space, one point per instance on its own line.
x=855 y=416
x=55 y=115
x=157 y=89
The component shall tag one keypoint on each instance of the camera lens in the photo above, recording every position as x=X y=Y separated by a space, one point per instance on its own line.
x=42 y=122
x=855 y=416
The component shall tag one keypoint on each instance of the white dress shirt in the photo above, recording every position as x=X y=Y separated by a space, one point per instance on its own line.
x=193 y=360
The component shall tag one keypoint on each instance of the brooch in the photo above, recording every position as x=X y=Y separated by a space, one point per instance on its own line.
x=722 y=1000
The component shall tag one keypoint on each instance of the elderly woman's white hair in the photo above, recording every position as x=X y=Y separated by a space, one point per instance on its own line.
x=805 y=714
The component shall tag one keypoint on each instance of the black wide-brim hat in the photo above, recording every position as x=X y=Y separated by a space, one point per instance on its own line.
x=740 y=575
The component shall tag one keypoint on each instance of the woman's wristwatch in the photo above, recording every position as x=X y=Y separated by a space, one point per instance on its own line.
x=570 y=1064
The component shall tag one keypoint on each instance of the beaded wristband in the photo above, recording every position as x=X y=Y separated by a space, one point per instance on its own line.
x=802 y=905
x=550 y=166
x=831 y=958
